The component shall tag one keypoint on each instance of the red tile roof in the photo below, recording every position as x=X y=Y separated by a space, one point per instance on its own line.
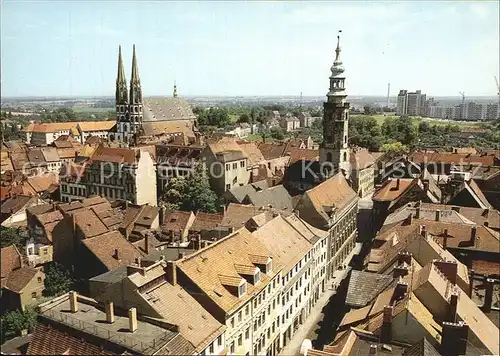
x=50 y=341
x=103 y=247
x=20 y=278
x=452 y=158
x=11 y=260
x=393 y=189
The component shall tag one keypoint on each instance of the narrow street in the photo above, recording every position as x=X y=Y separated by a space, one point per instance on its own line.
x=322 y=322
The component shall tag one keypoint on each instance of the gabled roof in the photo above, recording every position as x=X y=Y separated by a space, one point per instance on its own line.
x=103 y=248
x=452 y=158
x=206 y=267
x=275 y=197
x=333 y=194
x=11 y=260
x=237 y=215
x=393 y=189
x=360 y=158
x=286 y=244
x=50 y=154
x=477 y=215
x=89 y=126
x=116 y=155
x=252 y=151
x=15 y=203
x=422 y=348
x=48 y=340
x=365 y=286
x=177 y=221
x=197 y=325
x=240 y=192
x=206 y=221
x=167 y=109
x=20 y=278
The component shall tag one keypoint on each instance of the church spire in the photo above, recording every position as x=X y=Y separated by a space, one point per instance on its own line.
x=135 y=82
x=337 y=50
x=337 y=78
x=175 y=90
x=121 y=82
x=135 y=70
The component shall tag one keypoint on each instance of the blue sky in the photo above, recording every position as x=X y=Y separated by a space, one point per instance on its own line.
x=249 y=48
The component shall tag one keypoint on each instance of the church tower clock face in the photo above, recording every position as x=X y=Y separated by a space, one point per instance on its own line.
x=334 y=150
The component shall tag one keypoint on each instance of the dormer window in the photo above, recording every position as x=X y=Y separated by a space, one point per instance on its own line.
x=242 y=289
x=269 y=266
x=256 y=277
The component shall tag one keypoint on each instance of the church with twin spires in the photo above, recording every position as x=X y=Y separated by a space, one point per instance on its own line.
x=148 y=118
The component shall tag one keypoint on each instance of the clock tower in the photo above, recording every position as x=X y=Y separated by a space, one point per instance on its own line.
x=334 y=150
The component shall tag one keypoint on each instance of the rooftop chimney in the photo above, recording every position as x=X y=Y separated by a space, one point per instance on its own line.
x=373 y=349
x=401 y=289
x=471 y=282
x=453 y=304
x=73 y=302
x=132 y=319
x=386 y=332
x=438 y=215
x=404 y=257
x=400 y=271
x=473 y=232
x=146 y=243
x=172 y=272
x=397 y=184
x=448 y=268
x=445 y=239
x=417 y=213
x=110 y=312
x=454 y=339
x=116 y=255
x=138 y=261
x=488 y=295
x=423 y=231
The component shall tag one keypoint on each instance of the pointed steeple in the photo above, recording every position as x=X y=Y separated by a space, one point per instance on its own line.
x=337 y=79
x=135 y=70
x=175 y=90
x=135 y=82
x=337 y=50
x=121 y=82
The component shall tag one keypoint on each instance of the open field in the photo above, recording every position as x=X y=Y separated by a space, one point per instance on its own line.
x=416 y=120
x=86 y=109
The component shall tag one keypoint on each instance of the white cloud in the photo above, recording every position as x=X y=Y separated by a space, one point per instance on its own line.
x=480 y=11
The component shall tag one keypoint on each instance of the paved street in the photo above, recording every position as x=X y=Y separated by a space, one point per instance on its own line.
x=324 y=317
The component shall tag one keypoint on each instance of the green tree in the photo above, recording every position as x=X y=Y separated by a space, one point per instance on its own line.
x=400 y=129
x=13 y=322
x=58 y=280
x=11 y=236
x=243 y=118
x=364 y=131
x=423 y=126
x=253 y=115
x=394 y=147
x=277 y=133
x=192 y=193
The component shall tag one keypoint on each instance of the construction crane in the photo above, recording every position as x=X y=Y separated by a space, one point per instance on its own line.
x=462 y=116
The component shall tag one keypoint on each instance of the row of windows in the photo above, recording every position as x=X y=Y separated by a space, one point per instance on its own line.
x=235 y=165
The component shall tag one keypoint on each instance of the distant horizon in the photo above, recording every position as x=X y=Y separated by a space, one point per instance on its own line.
x=233 y=48
x=494 y=97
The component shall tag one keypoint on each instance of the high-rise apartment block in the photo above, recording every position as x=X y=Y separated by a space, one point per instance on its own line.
x=411 y=103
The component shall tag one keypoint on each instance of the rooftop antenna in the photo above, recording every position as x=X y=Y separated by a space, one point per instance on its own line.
x=301 y=99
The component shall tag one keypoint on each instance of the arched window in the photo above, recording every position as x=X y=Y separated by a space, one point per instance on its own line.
x=329 y=157
x=345 y=156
